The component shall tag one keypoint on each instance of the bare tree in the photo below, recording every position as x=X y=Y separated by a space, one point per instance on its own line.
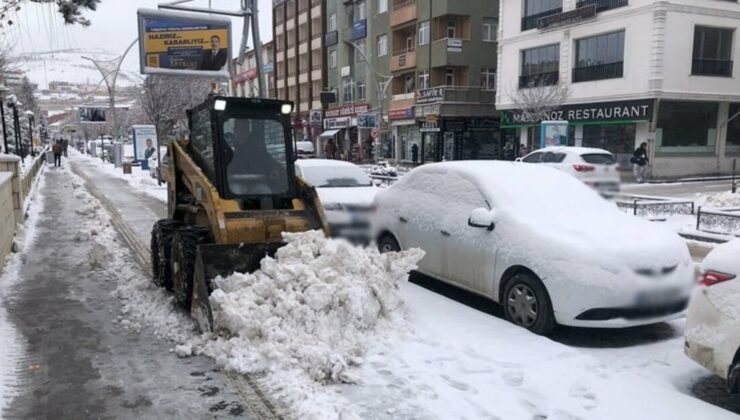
x=164 y=100
x=536 y=101
x=70 y=10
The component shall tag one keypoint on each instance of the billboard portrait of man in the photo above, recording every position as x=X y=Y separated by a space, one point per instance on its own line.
x=150 y=150
x=213 y=59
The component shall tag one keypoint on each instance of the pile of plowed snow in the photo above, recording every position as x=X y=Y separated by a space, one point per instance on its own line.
x=724 y=199
x=316 y=307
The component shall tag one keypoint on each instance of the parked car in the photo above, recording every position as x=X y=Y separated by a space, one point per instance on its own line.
x=713 y=323
x=346 y=193
x=597 y=168
x=539 y=242
x=305 y=150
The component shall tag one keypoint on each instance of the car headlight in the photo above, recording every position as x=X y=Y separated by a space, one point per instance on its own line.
x=332 y=206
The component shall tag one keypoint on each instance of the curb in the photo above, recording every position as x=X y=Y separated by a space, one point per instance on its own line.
x=258 y=405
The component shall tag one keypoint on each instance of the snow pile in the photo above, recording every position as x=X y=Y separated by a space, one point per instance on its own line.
x=721 y=200
x=383 y=168
x=316 y=307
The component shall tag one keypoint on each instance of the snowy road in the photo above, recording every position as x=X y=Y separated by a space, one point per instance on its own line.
x=78 y=358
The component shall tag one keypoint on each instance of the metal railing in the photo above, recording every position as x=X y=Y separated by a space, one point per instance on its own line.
x=649 y=206
x=403 y=51
x=711 y=67
x=540 y=79
x=598 y=72
x=602 y=5
x=724 y=221
x=530 y=22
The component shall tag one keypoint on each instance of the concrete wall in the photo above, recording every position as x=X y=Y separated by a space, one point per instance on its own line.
x=7 y=220
x=11 y=164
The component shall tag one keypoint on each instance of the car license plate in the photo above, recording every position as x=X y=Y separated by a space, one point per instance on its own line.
x=658 y=297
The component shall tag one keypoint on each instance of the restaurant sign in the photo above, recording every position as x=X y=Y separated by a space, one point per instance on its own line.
x=638 y=110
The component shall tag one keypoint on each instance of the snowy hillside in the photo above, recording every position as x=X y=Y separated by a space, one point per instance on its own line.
x=69 y=66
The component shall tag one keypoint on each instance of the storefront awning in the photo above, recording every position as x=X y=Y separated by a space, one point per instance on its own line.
x=329 y=133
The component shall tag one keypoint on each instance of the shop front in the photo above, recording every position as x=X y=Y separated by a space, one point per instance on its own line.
x=341 y=135
x=405 y=135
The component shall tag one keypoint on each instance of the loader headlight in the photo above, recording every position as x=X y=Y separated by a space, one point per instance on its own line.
x=219 y=105
x=286 y=109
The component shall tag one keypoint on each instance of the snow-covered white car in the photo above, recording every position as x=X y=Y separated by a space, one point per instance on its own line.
x=713 y=324
x=538 y=241
x=597 y=168
x=346 y=193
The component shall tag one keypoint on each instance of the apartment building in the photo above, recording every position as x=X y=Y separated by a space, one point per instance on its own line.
x=244 y=83
x=654 y=71
x=425 y=69
x=298 y=34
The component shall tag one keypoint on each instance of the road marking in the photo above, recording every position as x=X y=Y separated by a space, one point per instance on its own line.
x=257 y=403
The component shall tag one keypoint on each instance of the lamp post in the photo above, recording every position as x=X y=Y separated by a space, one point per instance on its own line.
x=3 y=91
x=30 y=115
x=14 y=103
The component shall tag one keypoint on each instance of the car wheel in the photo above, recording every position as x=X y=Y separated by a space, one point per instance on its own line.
x=388 y=243
x=527 y=304
x=733 y=378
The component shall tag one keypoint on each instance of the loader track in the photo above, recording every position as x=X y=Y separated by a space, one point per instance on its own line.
x=258 y=405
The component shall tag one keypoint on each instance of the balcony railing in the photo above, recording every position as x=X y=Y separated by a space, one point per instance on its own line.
x=602 y=5
x=540 y=79
x=530 y=22
x=711 y=67
x=403 y=59
x=598 y=72
x=402 y=13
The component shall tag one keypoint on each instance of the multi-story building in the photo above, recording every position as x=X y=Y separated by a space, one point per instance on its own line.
x=300 y=76
x=245 y=82
x=425 y=69
x=633 y=71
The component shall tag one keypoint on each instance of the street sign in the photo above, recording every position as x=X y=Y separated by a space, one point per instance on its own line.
x=375 y=133
x=184 y=44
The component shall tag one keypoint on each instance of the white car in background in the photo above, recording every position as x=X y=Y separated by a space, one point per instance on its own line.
x=305 y=150
x=537 y=241
x=346 y=193
x=597 y=168
x=713 y=323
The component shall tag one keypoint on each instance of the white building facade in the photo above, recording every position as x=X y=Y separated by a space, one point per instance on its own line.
x=659 y=72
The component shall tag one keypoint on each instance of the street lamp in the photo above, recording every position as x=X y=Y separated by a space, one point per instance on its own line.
x=14 y=104
x=3 y=91
x=30 y=115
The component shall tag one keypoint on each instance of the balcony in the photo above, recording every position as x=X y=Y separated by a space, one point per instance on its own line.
x=403 y=59
x=403 y=12
x=602 y=5
x=711 y=67
x=540 y=79
x=598 y=72
x=452 y=52
x=530 y=22
x=471 y=101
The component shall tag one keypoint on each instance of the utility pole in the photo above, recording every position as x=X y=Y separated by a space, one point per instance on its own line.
x=17 y=129
x=29 y=115
x=3 y=90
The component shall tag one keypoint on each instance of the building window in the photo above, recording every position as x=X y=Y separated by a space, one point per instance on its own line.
x=599 y=57
x=424 y=32
x=382 y=45
x=333 y=59
x=360 y=11
x=490 y=28
x=536 y=9
x=686 y=127
x=382 y=6
x=451 y=28
x=360 y=91
x=712 y=51
x=333 y=22
x=450 y=77
x=488 y=78
x=540 y=66
x=359 y=50
x=347 y=89
x=423 y=79
x=408 y=85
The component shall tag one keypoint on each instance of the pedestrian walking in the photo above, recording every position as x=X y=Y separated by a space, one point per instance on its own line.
x=65 y=145
x=639 y=161
x=415 y=154
x=329 y=149
x=57 y=149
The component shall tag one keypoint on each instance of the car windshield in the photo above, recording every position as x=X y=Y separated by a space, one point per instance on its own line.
x=257 y=164
x=336 y=177
x=599 y=158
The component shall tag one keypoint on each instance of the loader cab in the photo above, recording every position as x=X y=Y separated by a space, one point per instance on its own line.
x=244 y=146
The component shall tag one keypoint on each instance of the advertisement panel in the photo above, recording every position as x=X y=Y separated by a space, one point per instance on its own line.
x=145 y=142
x=184 y=44
x=92 y=113
x=554 y=133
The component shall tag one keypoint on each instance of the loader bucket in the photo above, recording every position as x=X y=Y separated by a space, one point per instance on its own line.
x=212 y=261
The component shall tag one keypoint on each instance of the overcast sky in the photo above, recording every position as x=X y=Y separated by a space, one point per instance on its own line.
x=113 y=28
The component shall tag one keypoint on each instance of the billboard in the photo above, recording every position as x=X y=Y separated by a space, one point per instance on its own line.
x=184 y=44
x=145 y=142
x=92 y=113
x=554 y=133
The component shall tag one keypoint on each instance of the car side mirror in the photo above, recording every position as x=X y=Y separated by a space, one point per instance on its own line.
x=518 y=159
x=482 y=218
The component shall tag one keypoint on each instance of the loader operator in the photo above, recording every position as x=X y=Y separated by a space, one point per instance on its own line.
x=252 y=169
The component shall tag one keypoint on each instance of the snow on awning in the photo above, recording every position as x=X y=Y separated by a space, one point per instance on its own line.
x=329 y=133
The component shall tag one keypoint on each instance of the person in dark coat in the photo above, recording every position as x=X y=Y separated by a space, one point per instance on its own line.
x=57 y=149
x=65 y=146
x=415 y=154
x=215 y=58
x=640 y=161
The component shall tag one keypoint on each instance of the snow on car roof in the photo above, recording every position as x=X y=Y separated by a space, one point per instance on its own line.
x=573 y=149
